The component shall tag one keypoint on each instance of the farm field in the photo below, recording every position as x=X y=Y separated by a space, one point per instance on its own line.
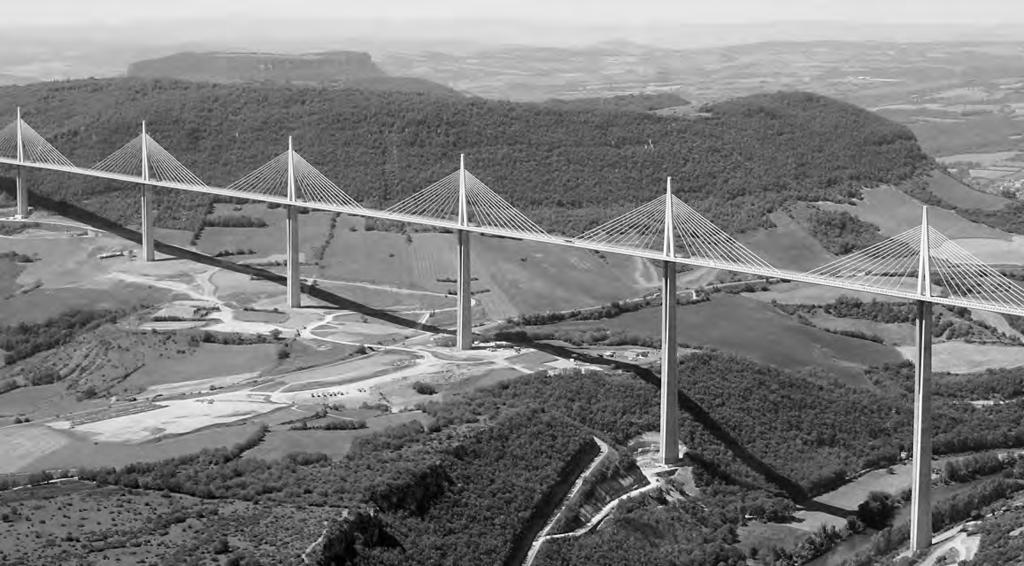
x=267 y=241
x=23 y=445
x=787 y=245
x=74 y=450
x=43 y=400
x=64 y=260
x=893 y=334
x=996 y=251
x=953 y=134
x=179 y=238
x=894 y=212
x=41 y=304
x=391 y=259
x=960 y=357
x=334 y=443
x=957 y=194
x=519 y=276
x=533 y=277
x=207 y=361
x=754 y=329
x=348 y=370
x=805 y=294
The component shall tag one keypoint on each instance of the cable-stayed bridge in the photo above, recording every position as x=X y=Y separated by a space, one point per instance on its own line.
x=919 y=265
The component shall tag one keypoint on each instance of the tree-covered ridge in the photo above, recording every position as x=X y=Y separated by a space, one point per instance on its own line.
x=841 y=232
x=454 y=496
x=642 y=102
x=741 y=419
x=568 y=169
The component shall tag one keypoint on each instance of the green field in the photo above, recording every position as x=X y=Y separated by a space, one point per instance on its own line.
x=755 y=330
x=42 y=304
x=208 y=360
x=334 y=443
x=895 y=212
x=967 y=134
x=518 y=276
x=806 y=294
x=787 y=245
x=38 y=447
x=270 y=240
x=43 y=400
x=961 y=196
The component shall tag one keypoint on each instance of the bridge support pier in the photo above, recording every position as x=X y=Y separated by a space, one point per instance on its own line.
x=464 y=324
x=669 y=368
x=921 y=509
x=22 y=192
x=146 y=222
x=292 y=251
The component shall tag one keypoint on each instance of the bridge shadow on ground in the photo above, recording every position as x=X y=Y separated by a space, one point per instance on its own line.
x=792 y=489
x=332 y=299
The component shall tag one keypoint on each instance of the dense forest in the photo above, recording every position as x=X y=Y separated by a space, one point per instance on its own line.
x=999 y=546
x=569 y=169
x=23 y=340
x=841 y=232
x=624 y=102
x=450 y=497
x=475 y=485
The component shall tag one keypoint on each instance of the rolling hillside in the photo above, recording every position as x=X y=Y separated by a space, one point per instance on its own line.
x=570 y=169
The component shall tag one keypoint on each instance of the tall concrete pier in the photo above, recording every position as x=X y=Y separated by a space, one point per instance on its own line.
x=292 y=236
x=920 y=503
x=146 y=203
x=464 y=313
x=21 y=189
x=669 y=352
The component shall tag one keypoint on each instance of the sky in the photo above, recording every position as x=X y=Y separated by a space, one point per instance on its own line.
x=560 y=12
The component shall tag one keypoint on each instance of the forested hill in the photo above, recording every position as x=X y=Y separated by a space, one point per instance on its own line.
x=636 y=102
x=569 y=169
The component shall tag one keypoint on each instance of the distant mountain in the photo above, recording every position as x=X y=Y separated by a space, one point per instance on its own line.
x=865 y=73
x=6 y=79
x=332 y=69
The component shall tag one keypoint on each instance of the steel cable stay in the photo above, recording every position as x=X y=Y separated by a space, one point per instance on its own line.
x=35 y=148
x=886 y=268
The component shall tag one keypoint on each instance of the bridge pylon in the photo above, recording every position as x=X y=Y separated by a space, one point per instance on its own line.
x=22 y=191
x=292 y=230
x=920 y=503
x=464 y=312
x=146 y=204
x=669 y=436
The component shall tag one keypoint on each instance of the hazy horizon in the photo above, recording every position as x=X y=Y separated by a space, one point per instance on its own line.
x=581 y=12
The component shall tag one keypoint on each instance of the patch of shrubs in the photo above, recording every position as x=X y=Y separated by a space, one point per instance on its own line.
x=234 y=221
x=424 y=388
